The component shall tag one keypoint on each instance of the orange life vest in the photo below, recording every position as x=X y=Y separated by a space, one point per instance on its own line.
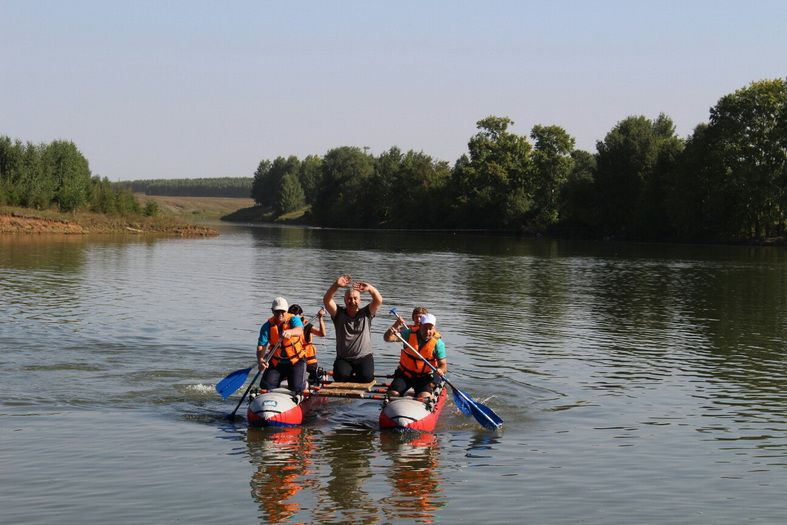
x=411 y=364
x=290 y=349
x=309 y=350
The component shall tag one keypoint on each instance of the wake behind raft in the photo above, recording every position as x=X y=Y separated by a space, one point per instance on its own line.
x=281 y=407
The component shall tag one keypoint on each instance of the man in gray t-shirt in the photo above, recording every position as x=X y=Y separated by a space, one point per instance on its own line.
x=354 y=360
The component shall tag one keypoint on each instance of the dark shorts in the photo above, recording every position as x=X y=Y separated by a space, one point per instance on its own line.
x=354 y=370
x=401 y=383
x=295 y=375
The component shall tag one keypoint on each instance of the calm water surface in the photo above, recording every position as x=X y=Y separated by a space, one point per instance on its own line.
x=638 y=383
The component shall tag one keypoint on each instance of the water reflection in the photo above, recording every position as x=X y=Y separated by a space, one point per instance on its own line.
x=283 y=459
x=61 y=253
x=480 y=243
x=348 y=453
x=414 y=475
x=292 y=482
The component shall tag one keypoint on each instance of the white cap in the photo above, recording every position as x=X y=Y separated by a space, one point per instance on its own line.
x=280 y=303
x=427 y=319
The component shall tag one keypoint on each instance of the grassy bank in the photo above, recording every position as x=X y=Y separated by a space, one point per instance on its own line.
x=196 y=208
x=15 y=220
x=258 y=214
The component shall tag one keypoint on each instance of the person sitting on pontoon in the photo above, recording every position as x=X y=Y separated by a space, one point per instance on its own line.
x=282 y=335
x=413 y=372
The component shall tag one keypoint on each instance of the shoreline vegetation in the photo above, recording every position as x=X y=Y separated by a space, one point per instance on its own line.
x=725 y=183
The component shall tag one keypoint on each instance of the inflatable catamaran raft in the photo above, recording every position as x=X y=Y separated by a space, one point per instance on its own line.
x=281 y=407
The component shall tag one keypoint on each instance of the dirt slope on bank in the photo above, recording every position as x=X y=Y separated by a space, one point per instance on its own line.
x=21 y=221
x=18 y=224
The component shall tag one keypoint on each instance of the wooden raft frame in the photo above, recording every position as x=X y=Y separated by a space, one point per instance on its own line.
x=355 y=390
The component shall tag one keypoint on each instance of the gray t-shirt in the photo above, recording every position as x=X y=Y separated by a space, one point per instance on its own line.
x=353 y=334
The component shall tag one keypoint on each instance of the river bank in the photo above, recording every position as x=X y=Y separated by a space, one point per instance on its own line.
x=14 y=220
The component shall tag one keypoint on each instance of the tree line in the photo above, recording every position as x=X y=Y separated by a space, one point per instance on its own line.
x=57 y=175
x=726 y=182
x=202 y=187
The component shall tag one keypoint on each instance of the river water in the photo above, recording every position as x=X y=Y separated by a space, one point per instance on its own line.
x=639 y=383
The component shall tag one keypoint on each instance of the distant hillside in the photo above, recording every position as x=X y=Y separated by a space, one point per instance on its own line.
x=239 y=187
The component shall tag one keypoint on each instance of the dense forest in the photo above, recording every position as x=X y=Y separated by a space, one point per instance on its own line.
x=58 y=175
x=204 y=187
x=726 y=182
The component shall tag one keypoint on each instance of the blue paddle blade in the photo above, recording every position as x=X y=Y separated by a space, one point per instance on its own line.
x=460 y=400
x=485 y=416
x=227 y=386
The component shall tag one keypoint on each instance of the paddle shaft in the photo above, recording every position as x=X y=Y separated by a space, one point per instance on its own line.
x=232 y=416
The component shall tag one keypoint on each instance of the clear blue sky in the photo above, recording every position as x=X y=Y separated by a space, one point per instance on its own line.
x=173 y=89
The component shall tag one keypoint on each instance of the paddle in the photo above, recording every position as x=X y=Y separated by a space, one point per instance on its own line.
x=232 y=415
x=482 y=413
x=266 y=358
x=227 y=386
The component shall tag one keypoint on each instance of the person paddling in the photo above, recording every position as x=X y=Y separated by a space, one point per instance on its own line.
x=282 y=334
x=354 y=360
x=412 y=371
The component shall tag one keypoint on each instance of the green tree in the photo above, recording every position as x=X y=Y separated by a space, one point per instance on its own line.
x=34 y=184
x=699 y=206
x=577 y=206
x=103 y=199
x=309 y=176
x=151 y=208
x=11 y=170
x=388 y=186
x=492 y=184
x=126 y=203
x=630 y=179
x=552 y=164
x=261 y=186
x=420 y=189
x=280 y=168
x=291 y=195
x=748 y=134
x=343 y=194
x=71 y=174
